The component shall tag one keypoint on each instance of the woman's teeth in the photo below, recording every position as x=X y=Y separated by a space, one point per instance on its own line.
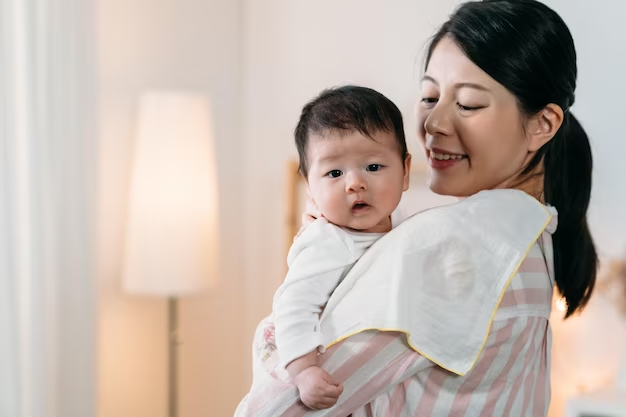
x=445 y=156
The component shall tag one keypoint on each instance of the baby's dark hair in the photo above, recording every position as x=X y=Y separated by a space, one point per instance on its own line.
x=347 y=109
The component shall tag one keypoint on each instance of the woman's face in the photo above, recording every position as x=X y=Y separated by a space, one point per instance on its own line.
x=470 y=125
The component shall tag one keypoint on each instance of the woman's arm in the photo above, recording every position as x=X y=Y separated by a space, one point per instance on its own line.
x=368 y=364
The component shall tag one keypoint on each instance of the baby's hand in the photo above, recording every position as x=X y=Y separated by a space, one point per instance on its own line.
x=317 y=389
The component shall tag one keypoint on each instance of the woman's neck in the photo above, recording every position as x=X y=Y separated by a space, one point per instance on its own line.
x=531 y=183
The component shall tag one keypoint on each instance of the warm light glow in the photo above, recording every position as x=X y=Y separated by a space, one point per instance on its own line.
x=171 y=231
x=561 y=304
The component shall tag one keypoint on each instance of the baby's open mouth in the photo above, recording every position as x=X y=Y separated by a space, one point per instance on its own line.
x=359 y=205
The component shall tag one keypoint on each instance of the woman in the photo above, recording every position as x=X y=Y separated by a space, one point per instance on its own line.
x=494 y=114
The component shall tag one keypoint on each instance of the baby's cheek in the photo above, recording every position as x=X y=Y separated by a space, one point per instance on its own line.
x=390 y=196
x=324 y=204
x=332 y=213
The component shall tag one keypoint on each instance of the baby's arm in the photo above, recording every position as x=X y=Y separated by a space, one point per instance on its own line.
x=368 y=364
x=317 y=262
x=298 y=338
x=297 y=308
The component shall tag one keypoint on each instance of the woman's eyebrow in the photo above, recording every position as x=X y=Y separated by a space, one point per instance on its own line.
x=458 y=85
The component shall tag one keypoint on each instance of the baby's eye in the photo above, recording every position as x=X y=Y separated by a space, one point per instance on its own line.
x=335 y=173
x=374 y=167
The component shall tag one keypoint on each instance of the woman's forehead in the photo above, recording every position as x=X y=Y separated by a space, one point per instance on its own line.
x=448 y=65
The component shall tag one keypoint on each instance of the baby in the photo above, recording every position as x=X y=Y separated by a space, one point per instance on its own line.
x=354 y=157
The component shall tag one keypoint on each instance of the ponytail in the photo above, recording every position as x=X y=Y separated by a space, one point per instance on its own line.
x=567 y=184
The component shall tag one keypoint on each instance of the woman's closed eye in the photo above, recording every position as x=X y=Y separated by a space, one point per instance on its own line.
x=469 y=108
x=429 y=101
x=335 y=173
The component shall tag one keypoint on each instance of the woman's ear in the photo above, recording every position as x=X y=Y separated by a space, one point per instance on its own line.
x=542 y=127
x=407 y=172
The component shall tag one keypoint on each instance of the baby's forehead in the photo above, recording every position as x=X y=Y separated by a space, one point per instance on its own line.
x=333 y=147
x=351 y=140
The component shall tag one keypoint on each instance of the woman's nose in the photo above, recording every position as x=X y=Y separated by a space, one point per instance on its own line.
x=439 y=121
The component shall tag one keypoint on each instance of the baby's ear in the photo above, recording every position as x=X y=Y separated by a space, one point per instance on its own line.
x=407 y=172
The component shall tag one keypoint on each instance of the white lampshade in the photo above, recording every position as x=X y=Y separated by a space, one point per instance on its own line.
x=172 y=225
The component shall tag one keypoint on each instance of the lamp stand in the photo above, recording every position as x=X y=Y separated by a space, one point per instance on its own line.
x=172 y=332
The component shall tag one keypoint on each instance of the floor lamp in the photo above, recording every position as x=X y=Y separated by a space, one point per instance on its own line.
x=171 y=247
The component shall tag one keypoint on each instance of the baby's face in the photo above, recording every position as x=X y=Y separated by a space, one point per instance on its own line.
x=355 y=180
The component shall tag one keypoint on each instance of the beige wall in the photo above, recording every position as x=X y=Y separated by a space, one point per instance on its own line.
x=188 y=44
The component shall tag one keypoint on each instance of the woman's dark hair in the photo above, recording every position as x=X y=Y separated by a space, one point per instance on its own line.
x=346 y=109
x=525 y=46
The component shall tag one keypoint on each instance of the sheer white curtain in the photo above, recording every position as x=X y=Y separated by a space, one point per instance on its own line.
x=47 y=192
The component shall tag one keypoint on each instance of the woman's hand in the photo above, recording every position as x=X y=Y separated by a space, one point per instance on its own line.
x=311 y=213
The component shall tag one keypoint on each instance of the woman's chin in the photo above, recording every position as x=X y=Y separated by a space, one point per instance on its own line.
x=448 y=187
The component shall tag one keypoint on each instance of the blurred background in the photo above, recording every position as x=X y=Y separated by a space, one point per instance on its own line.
x=98 y=97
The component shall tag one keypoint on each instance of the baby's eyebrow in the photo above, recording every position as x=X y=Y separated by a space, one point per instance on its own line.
x=328 y=158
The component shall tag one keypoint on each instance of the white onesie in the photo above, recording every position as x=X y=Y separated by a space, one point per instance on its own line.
x=318 y=260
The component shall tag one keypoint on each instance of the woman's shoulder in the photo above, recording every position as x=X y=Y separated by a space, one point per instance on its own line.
x=495 y=216
x=531 y=289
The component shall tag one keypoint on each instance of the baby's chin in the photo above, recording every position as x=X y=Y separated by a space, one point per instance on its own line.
x=371 y=222
x=370 y=226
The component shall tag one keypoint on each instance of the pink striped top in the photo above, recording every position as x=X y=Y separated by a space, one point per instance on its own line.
x=382 y=377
